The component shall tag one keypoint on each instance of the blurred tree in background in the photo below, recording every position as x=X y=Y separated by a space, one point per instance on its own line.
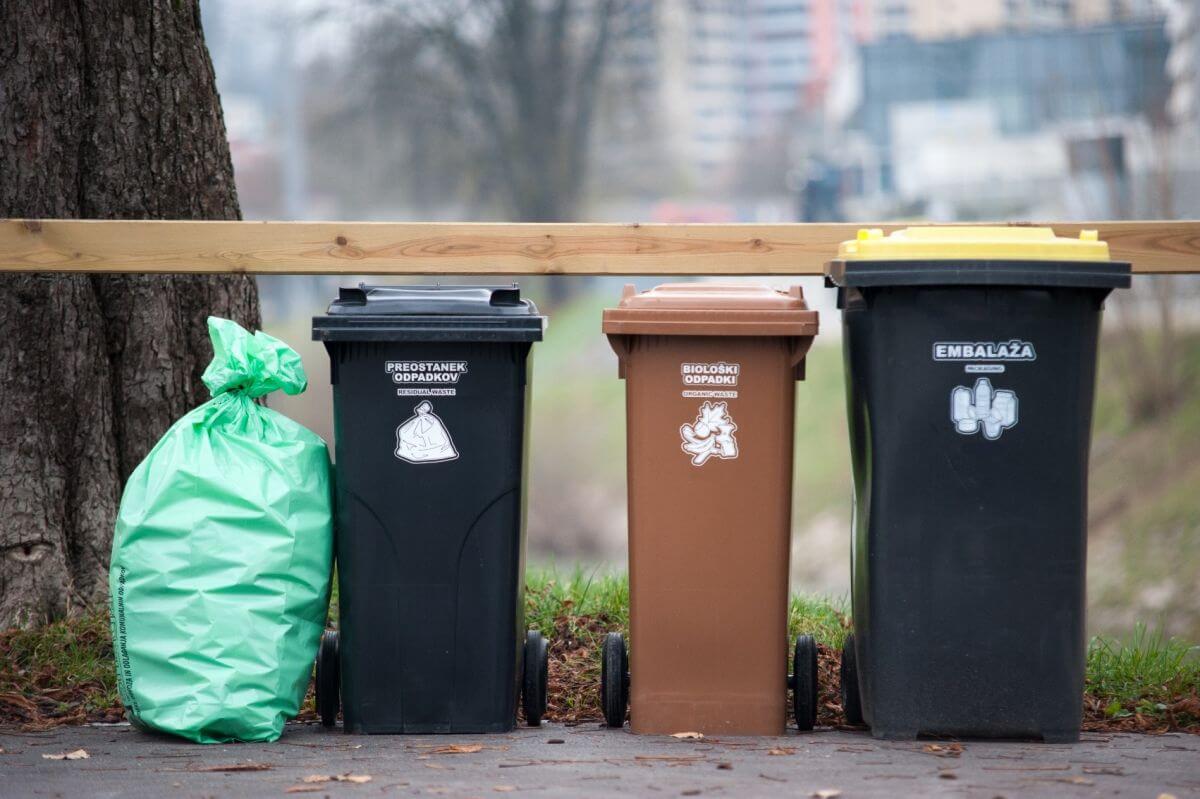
x=492 y=102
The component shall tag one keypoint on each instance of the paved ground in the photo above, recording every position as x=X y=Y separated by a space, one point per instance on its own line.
x=589 y=761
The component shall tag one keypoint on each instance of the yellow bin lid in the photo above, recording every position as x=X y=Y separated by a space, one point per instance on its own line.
x=972 y=243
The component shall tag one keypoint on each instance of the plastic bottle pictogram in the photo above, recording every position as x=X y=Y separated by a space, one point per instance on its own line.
x=983 y=408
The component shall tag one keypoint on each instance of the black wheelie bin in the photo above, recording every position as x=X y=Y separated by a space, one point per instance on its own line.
x=970 y=368
x=430 y=389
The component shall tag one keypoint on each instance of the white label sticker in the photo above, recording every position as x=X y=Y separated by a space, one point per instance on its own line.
x=1012 y=350
x=710 y=435
x=426 y=378
x=423 y=438
x=983 y=408
x=710 y=380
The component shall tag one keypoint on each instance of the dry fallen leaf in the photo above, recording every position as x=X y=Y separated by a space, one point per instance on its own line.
x=781 y=750
x=78 y=754
x=304 y=789
x=827 y=793
x=688 y=736
x=357 y=779
x=725 y=766
x=1166 y=796
x=1115 y=771
x=504 y=788
x=237 y=767
x=944 y=750
x=457 y=749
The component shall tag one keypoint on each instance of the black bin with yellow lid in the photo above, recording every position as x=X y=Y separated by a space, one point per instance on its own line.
x=971 y=356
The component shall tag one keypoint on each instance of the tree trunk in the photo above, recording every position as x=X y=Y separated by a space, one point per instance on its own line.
x=108 y=110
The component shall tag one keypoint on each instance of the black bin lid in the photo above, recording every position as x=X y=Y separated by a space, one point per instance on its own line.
x=1017 y=274
x=430 y=313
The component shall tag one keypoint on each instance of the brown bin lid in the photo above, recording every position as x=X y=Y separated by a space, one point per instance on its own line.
x=711 y=309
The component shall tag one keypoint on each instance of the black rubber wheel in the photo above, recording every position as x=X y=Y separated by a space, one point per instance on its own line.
x=804 y=682
x=614 y=680
x=328 y=680
x=848 y=677
x=536 y=677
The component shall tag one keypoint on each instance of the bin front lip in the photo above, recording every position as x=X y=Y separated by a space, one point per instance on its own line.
x=970 y=272
x=651 y=322
x=500 y=329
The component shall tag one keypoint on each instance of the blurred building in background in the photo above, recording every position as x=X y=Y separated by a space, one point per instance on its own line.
x=724 y=73
x=1183 y=105
x=953 y=19
x=1052 y=122
x=1183 y=65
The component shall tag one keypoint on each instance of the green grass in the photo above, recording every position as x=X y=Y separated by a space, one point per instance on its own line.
x=64 y=672
x=824 y=619
x=1145 y=674
x=552 y=598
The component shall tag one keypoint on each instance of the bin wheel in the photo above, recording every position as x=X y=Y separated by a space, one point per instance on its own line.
x=614 y=680
x=328 y=678
x=536 y=676
x=848 y=677
x=804 y=682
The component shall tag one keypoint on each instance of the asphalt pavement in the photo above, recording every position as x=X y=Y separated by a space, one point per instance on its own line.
x=586 y=761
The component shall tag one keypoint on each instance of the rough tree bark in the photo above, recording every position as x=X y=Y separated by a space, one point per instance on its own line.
x=108 y=110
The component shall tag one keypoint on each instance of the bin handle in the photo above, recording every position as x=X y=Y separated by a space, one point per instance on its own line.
x=799 y=346
x=799 y=349
x=621 y=346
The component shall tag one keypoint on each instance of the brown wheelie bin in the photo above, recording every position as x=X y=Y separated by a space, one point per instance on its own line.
x=710 y=375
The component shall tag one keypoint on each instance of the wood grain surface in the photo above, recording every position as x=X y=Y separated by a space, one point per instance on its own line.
x=361 y=248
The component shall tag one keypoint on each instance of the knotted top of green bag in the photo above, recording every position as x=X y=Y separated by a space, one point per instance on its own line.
x=254 y=364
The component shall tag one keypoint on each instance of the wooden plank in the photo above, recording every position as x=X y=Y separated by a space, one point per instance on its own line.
x=361 y=248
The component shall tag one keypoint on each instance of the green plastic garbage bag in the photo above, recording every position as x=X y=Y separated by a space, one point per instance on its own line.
x=222 y=554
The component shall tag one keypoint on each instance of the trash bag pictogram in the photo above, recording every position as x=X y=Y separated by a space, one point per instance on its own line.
x=711 y=435
x=424 y=438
